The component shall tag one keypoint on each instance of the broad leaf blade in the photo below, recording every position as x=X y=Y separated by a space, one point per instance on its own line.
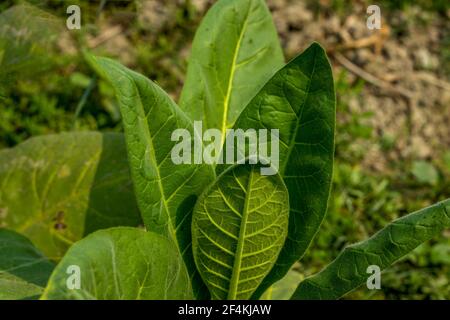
x=122 y=263
x=349 y=270
x=166 y=192
x=24 y=271
x=234 y=52
x=57 y=188
x=238 y=228
x=299 y=100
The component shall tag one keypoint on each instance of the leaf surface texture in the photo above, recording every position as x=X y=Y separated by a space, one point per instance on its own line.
x=55 y=189
x=349 y=270
x=239 y=226
x=122 y=264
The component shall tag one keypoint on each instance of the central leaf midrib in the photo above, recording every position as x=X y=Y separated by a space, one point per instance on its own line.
x=299 y=118
x=231 y=78
x=233 y=290
x=149 y=140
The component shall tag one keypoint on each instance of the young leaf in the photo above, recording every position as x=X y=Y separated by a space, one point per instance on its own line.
x=234 y=52
x=166 y=192
x=284 y=288
x=24 y=271
x=299 y=100
x=425 y=172
x=55 y=189
x=238 y=228
x=349 y=270
x=120 y=263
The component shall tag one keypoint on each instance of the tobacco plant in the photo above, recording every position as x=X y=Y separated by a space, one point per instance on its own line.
x=111 y=216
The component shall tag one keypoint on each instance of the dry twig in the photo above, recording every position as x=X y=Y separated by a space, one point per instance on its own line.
x=370 y=78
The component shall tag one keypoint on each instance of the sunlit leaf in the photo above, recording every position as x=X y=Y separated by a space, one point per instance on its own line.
x=122 y=264
x=55 y=189
x=234 y=52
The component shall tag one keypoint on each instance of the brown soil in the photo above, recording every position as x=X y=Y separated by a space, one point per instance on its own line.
x=406 y=85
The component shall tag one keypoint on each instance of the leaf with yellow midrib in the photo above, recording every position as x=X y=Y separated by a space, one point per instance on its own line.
x=239 y=226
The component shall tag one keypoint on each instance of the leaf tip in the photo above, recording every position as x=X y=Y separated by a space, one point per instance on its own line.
x=317 y=47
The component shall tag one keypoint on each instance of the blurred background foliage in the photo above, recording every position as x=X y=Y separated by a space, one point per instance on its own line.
x=389 y=160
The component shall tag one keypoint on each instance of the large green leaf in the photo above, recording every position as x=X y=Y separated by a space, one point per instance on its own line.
x=24 y=271
x=349 y=270
x=235 y=51
x=55 y=189
x=239 y=226
x=121 y=263
x=299 y=100
x=166 y=192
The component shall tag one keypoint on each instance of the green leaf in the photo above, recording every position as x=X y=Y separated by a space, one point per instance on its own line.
x=284 y=288
x=299 y=100
x=238 y=228
x=234 y=52
x=166 y=192
x=55 y=189
x=121 y=263
x=24 y=271
x=425 y=172
x=348 y=270
x=440 y=253
x=28 y=38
